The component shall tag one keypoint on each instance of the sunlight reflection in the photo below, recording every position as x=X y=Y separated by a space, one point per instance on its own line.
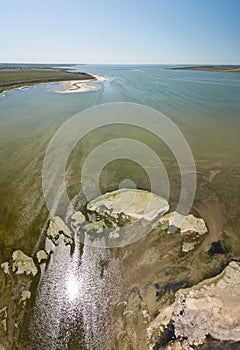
x=72 y=287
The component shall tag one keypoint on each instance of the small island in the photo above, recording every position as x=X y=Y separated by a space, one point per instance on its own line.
x=211 y=68
x=18 y=77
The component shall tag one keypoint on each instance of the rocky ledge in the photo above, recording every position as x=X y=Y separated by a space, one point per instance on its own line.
x=124 y=216
x=210 y=308
x=192 y=230
x=128 y=204
x=190 y=225
x=21 y=263
x=57 y=227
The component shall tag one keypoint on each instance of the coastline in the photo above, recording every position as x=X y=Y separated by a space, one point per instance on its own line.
x=70 y=86
x=79 y=85
x=210 y=68
x=11 y=79
x=23 y=87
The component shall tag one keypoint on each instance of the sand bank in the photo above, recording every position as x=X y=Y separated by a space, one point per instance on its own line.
x=79 y=85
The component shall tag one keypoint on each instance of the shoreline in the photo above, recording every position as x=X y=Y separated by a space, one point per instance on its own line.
x=72 y=86
x=23 y=87
x=11 y=79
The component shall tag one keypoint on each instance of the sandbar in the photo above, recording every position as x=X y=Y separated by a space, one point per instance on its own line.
x=80 y=85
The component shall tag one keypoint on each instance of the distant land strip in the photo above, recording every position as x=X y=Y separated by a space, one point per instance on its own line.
x=12 y=78
x=211 y=68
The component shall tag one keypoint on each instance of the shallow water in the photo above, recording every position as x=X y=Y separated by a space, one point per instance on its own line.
x=204 y=105
x=73 y=300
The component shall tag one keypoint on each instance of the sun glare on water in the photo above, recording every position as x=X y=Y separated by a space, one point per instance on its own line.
x=72 y=287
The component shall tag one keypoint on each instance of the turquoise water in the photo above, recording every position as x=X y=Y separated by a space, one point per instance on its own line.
x=204 y=105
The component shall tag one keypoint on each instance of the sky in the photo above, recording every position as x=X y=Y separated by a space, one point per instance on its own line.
x=120 y=31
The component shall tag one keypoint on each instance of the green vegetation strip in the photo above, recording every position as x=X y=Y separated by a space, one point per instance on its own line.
x=15 y=78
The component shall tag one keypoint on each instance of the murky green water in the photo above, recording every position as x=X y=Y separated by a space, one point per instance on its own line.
x=206 y=108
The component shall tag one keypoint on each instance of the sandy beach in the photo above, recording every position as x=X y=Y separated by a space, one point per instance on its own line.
x=79 y=85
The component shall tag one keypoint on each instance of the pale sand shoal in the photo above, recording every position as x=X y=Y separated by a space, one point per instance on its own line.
x=79 y=85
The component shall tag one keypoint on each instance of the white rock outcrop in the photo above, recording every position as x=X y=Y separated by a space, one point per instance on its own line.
x=23 y=264
x=56 y=227
x=209 y=308
x=188 y=246
x=68 y=240
x=96 y=226
x=78 y=218
x=6 y=267
x=41 y=256
x=26 y=294
x=191 y=224
x=129 y=204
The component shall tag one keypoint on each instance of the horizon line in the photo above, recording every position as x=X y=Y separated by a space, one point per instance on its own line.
x=117 y=63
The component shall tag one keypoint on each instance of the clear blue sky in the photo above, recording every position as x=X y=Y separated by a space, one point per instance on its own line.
x=120 y=31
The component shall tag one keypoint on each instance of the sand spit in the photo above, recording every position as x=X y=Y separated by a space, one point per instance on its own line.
x=80 y=85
